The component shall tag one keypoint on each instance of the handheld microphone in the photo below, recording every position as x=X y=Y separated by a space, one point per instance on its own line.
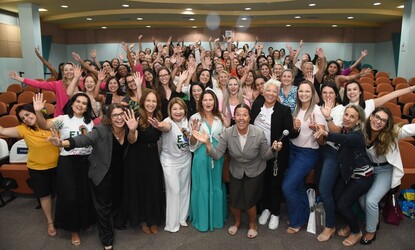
x=284 y=134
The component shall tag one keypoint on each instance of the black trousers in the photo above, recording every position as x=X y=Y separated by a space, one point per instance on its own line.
x=272 y=192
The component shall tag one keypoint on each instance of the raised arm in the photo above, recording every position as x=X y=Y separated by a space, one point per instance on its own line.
x=140 y=45
x=47 y=64
x=74 y=84
x=93 y=55
x=9 y=132
x=362 y=55
x=84 y=64
x=38 y=105
x=322 y=67
x=129 y=58
x=395 y=94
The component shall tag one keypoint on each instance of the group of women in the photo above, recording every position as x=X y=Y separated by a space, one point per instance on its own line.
x=273 y=129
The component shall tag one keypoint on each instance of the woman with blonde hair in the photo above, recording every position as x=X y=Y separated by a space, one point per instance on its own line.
x=232 y=97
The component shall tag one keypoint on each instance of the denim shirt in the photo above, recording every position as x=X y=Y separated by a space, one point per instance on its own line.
x=290 y=100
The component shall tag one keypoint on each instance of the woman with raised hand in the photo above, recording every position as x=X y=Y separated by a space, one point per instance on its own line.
x=176 y=161
x=232 y=97
x=304 y=153
x=134 y=91
x=59 y=87
x=382 y=138
x=273 y=118
x=144 y=183
x=208 y=193
x=355 y=168
x=42 y=158
x=110 y=141
x=73 y=204
x=249 y=151
x=332 y=110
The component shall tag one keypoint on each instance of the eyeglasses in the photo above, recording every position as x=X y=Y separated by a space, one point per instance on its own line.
x=378 y=118
x=166 y=75
x=115 y=116
x=132 y=81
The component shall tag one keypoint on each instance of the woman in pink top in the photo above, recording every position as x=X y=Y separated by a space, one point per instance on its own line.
x=59 y=87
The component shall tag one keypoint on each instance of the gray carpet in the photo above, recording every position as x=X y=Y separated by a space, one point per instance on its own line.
x=23 y=227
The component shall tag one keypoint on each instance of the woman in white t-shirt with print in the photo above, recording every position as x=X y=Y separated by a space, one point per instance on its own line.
x=74 y=209
x=176 y=161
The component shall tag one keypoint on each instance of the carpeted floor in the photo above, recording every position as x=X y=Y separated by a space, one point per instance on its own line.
x=23 y=227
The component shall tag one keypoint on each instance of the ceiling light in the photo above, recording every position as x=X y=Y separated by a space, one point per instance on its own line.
x=188 y=12
x=241 y=26
x=89 y=19
x=194 y=27
x=42 y=10
x=191 y=19
x=248 y=8
x=297 y=17
x=334 y=25
x=288 y=25
x=401 y=6
x=139 y=18
x=125 y=5
x=244 y=18
x=64 y=6
x=104 y=27
x=312 y=4
x=189 y=9
x=148 y=26
x=377 y=4
x=350 y=17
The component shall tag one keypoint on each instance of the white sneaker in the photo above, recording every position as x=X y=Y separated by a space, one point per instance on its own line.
x=273 y=222
x=264 y=217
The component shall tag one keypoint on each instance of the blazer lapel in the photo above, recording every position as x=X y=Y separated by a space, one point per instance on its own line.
x=249 y=141
x=235 y=138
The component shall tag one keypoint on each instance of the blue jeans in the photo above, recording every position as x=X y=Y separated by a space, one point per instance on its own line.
x=302 y=160
x=329 y=175
x=346 y=194
x=370 y=201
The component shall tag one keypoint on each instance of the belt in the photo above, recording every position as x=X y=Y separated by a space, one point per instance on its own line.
x=380 y=164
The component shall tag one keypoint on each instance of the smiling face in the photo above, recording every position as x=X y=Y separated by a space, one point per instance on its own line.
x=350 y=118
x=378 y=120
x=259 y=84
x=113 y=85
x=204 y=77
x=196 y=92
x=148 y=76
x=89 y=83
x=242 y=119
x=332 y=69
x=271 y=94
x=233 y=86
x=68 y=71
x=287 y=78
x=164 y=77
x=305 y=93
x=106 y=66
x=115 y=63
x=265 y=70
x=177 y=112
x=223 y=78
x=122 y=70
x=278 y=69
x=130 y=83
x=117 y=118
x=150 y=103
x=353 y=92
x=27 y=117
x=79 y=106
x=327 y=93
x=208 y=102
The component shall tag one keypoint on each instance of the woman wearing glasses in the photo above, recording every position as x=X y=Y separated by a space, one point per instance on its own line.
x=166 y=88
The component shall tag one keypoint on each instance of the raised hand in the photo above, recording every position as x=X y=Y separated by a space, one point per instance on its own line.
x=13 y=75
x=364 y=53
x=54 y=138
x=320 y=132
x=132 y=46
x=327 y=107
x=139 y=37
x=124 y=46
x=38 y=102
x=77 y=71
x=101 y=76
x=121 y=57
x=138 y=79
x=37 y=51
x=76 y=57
x=183 y=76
x=155 y=123
x=130 y=120
x=310 y=77
x=93 y=53
x=202 y=137
x=196 y=125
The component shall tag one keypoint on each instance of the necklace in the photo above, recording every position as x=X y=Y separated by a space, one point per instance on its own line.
x=118 y=135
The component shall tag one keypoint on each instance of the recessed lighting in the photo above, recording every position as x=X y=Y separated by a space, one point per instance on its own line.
x=244 y=18
x=297 y=17
x=312 y=4
x=191 y=19
x=194 y=27
x=139 y=18
x=248 y=8
x=377 y=4
x=104 y=27
x=125 y=5
x=189 y=9
x=42 y=10
x=148 y=26
x=64 y=6
x=89 y=19
x=350 y=17
x=334 y=25
x=401 y=6
x=241 y=26
x=288 y=25
x=188 y=12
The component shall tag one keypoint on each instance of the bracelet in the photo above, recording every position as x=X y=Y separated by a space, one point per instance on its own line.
x=329 y=119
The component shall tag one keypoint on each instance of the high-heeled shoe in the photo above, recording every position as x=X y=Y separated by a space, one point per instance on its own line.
x=325 y=237
x=352 y=239
x=364 y=241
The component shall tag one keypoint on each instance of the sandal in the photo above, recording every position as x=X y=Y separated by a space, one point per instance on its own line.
x=344 y=232
x=107 y=247
x=51 y=230
x=324 y=237
x=232 y=230
x=352 y=239
x=293 y=230
x=252 y=233
x=75 y=240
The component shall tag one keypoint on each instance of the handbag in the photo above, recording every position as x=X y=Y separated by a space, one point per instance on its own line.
x=406 y=201
x=311 y=225
x=392 y=213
